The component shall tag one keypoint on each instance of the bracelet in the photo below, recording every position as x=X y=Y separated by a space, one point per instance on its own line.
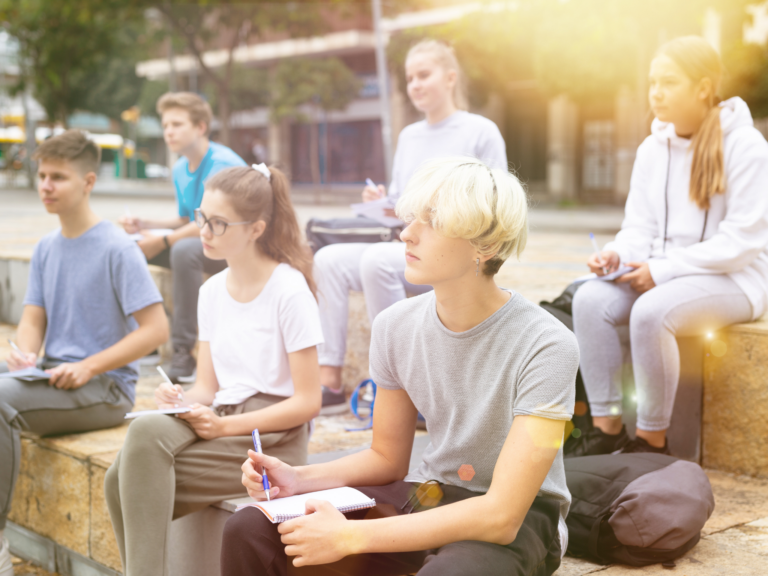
x=167 y=244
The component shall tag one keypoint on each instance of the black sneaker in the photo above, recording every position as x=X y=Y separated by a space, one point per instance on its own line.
x=182 y=368
x=333 y=402
x=640 y=445
x=595 y=441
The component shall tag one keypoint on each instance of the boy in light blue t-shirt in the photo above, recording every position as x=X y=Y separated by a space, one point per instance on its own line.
x=92 y=302
x=186 y=120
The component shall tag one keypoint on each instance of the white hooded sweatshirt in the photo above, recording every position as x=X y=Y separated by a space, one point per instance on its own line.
x=735 y=239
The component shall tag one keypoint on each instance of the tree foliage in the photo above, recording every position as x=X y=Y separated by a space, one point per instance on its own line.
x=325 y=83
x=747 y=76
x=66 y=47
x=205 y=25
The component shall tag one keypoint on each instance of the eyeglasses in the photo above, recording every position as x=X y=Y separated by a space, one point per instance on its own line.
x=217 y=225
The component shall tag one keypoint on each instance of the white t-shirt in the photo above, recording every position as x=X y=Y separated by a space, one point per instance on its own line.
x=250 y=341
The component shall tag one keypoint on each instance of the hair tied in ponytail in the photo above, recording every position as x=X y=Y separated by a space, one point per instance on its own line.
x=255 y=199
x=263 y=169
x=698 y=60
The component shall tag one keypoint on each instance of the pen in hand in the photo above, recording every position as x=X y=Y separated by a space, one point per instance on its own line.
x=13 y=345
x=257 y=447
x=597 y=251
x=165 y=376
x=17 y=349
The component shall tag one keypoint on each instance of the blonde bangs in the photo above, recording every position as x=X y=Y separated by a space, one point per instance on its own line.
x=463 y=198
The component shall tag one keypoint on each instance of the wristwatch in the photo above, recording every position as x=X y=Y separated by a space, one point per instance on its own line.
x=167 y=244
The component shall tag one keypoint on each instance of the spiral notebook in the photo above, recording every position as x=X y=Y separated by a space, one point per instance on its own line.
x=284 y=509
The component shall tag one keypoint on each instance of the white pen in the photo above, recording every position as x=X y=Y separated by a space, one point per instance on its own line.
x=371 y=183
x=597 y=251
x=164 y=375
x=13 y=345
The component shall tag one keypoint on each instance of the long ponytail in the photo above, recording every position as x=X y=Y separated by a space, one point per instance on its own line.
x=699 y=60
x=282 y=240
x=256 y=198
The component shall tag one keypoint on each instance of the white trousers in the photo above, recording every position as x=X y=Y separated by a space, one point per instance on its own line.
x=378 y=270
x=685 y=306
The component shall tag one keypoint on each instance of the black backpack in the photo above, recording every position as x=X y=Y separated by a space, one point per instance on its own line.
x=561 y=308
x=323 y=232
x=635 y=509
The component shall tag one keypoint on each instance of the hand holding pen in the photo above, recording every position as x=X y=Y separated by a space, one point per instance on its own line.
x=257 y=447
x=168 y=394
x=372 y=192
x=19 y=360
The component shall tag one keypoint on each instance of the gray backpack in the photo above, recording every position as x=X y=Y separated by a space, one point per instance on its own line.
x=635 y=509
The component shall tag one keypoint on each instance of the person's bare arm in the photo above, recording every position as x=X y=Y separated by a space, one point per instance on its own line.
x=387 y=459
x=293 y=411
x=532 y=444
x=133 y=224
x=152 y=332
x=29 y=337
x=153 y=244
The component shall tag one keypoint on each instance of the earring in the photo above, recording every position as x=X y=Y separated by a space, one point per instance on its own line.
x=477 y=270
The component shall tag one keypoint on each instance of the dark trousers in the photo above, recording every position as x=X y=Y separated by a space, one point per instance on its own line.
x=187 y=263
x=252 y=544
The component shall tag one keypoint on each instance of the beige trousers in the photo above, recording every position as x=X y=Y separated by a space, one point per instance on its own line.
x=165 y=471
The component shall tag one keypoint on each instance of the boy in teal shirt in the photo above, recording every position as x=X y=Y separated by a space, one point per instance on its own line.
x=186 y=120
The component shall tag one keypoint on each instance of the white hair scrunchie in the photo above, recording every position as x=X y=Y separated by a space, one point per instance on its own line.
x=263 y=169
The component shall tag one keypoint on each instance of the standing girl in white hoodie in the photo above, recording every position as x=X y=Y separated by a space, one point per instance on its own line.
x=695 y=231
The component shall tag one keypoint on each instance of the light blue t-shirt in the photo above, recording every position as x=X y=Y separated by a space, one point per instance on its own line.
x=189 y=185
x=89 y=286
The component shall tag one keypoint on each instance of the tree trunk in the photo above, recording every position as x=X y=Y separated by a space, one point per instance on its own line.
x=224 y=113
x=314 y=151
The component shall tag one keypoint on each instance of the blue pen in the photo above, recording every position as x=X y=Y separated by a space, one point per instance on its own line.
x=257 y=446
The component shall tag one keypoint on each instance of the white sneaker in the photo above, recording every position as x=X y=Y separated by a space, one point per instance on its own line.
x=6 y=564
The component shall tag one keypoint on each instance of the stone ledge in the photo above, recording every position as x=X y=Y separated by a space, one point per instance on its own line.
x=735 y=407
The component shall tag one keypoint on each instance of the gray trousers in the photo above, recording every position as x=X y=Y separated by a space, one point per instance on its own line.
x=43 y=409
x=165 y=471
x=685 y=306
x=187 y=264
x=377 y=270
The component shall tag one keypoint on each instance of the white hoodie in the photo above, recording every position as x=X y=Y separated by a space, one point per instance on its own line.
x=736 y=235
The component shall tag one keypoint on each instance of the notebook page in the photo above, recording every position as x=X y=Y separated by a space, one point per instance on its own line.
x=282 y=509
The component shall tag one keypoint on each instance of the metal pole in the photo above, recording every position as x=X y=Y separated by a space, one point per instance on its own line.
x=29 y=129
x=381 y=71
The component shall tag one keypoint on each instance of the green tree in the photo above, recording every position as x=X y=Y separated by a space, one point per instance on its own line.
x=320 y=84
x=66 y=47
x=205 y=25
x=747 y=76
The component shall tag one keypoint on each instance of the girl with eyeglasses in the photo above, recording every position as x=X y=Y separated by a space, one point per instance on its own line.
x=257 y=367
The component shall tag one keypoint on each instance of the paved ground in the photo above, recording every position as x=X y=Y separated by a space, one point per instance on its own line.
x=735 y=539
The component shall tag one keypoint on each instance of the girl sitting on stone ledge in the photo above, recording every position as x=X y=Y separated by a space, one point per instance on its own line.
x=256 y=368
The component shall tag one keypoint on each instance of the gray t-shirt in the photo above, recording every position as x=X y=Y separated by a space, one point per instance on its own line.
x=461 y=134
x=89 y=287
x=470 y=385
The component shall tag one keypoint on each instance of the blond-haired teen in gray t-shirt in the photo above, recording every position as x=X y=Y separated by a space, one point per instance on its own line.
x=494 y=376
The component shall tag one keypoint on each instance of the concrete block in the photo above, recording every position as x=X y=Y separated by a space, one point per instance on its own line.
x=195 y=544
x=14 y=274
x=735 y=418
x=30 y=546
x=52 y=496
x=358 y=342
